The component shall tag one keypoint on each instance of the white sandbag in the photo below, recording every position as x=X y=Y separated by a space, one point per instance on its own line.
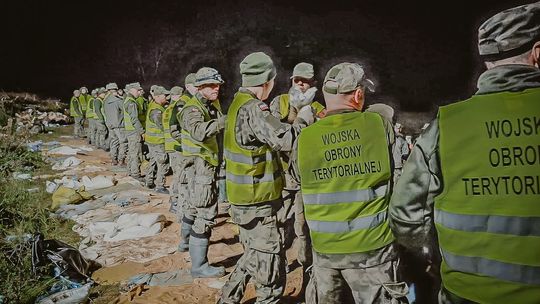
x=98 y=182
x=64 y=150
x=50 y=187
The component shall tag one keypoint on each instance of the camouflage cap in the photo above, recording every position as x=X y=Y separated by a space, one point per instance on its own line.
x=207 y=75
x=152 y=88
x=510 y=33
x=111 y=86
x=76 y=92
x=190 y=79
x=83 y=88
x=256 y=69
x=101 y=90
x=303 y=70
x=134 y=85
x=176 y=90
x=346 y=77
x=158 y=90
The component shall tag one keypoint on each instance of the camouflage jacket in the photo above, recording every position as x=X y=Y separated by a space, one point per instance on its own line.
x=191 y=119
x=256 y=126
x=412 y=202
x=133 y=112
x=114 y=114
x=357 y=260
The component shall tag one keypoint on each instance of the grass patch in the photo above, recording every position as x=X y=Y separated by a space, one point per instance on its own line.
x=22 y=214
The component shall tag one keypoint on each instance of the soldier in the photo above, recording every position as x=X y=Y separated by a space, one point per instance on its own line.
x=91 y=116
x=173 y=146
x=133 y=117
x=201 y=120
x=255 y=182
x=285 y=107
x=76 y=112
x=84 y=98
x=154 y=138
x=184 y=167
x=469 y=179
x=114 y=119
x=101 y=128
x=343 y=165
x=400 y=151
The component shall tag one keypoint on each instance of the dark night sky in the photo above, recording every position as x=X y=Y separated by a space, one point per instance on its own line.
x=420 y=55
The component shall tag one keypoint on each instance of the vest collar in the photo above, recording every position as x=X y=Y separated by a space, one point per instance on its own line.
x=511 y=77
x=341 y=111
x=246 y=91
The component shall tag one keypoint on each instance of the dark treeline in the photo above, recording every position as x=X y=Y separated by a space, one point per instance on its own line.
x=418 y=55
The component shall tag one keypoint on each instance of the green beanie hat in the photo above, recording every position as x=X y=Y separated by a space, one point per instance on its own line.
x=257 y=69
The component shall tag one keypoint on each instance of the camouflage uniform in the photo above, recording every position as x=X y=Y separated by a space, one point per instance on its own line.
x=259 y=224
x=101 y=128
x=157 y=165
x=77 y=114
x=202 y=188
x=400 y=152
x=114 y=119
x=412 y=205
x=366 y=277
x=90 y=114
x=134 y=137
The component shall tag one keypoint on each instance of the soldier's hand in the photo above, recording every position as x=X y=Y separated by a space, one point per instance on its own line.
x=221 y=122
x=306 y=114
x=299 y=99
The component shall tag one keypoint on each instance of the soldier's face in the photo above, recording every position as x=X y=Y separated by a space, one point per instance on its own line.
x=302 y=84
x=76 y=93
x=84 y=91
x=210 y=91
x=134 y=92
x=160 y=99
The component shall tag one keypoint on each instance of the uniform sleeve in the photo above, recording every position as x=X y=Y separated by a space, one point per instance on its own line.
x=192 y=120
x=175 y=129
x=133 y=112
x=293 y=163
x=411 y=204
x=267 y=129
x=275 y=108
x=156 y=117
x=97 y=109
x=404 y=149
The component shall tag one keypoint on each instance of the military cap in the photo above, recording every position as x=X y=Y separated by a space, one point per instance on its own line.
x=152 y=88
x=207 y=75
x=176 y=90
x=346 y=77
x=158 y=90
x=111 y=86
x=83 y=88
x=303 y=70
x=76 y=92
x=134 y=85
x=256 y=69
x=101 y=90
x=190 y=79
x=510 y=33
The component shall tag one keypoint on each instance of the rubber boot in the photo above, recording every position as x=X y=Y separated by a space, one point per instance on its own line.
x=184 y=235
x=198 y=249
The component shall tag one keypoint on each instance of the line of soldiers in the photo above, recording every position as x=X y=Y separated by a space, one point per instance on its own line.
x=330 y=171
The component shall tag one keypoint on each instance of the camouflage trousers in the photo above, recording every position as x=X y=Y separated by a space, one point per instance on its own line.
x=372 y=285
x=202 y=203
x=78 y=127
x=134 y=153
x=91 y=131
x=186 y=173
x=263 y=259
x=117 y=144
x=101 y=135
x=157 y=166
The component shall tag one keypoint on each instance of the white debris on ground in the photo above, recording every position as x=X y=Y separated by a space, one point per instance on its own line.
x=67 y=163
x=64 y=150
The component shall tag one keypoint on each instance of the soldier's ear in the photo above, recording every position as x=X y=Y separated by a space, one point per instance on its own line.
x=359 y=98
x=536 y=54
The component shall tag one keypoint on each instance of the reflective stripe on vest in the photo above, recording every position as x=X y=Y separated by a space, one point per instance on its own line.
x=346 y=198
x=207 y=150
x=153 y=134
x=74 y=104
x=252 y=176
x=171 y=144
x=488 y=217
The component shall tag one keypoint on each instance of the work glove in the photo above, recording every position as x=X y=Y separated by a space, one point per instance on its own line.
x=306 y=114
x=299 y=99
x=221 y=122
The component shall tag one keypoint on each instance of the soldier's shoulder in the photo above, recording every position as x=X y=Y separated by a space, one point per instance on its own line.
x=256 y=105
